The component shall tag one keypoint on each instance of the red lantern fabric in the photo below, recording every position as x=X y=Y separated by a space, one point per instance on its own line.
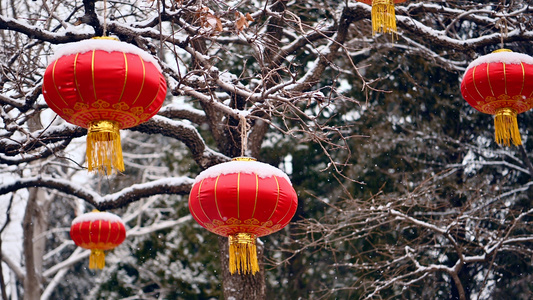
x=98 y=231
x=383 y=15
x=104 y=85
x=243 y=199
x=501 y=84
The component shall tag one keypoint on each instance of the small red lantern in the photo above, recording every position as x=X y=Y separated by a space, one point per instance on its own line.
x=97 y=231
x=383 y=15
x=104 y=85
x=501 y=84
x=243 y=199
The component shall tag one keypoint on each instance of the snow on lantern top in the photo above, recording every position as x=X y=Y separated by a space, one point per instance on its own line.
x=505 y=57
x=104 y=44
x=97 y=216
x=501 y=84
x=242 y=165
x=104 y=85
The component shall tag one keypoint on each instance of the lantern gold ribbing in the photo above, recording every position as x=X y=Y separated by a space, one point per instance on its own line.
x=501 y=84
x=98 y=232
x=104 y=85
x=243 y=199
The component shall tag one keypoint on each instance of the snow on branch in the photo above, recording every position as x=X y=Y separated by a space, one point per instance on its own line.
x=38 y=33
x=185 y=133
x=37 y=139
x=15 y=267
x=176 y=185
x=136 y=231
x=76 y=256
x=172 y=185
x=5 y=100
x=440 y=39
x=183 y=112
x=48 y=150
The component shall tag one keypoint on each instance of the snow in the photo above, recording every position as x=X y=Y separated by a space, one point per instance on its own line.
x=181 y=106
x=104 y=45
x=287 y=164
x=167 y=182
x=96 y=216
x=469 y=161
x=512 y=58
x=247 y=167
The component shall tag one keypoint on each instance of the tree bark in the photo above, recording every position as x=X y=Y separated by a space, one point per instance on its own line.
x=32 y=282
x=8 y=219
x=240 y=286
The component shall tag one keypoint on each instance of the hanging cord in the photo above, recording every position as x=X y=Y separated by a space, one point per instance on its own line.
x=244 y=134
x=504 y=30
x=105 y=18
x=502 y=24
x=160 y=28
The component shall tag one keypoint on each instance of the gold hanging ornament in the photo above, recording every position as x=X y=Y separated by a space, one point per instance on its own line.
x=383 y=15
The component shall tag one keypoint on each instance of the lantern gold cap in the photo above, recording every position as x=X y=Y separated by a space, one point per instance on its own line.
x=243 y=158
x=501 y=50
x=105 y=38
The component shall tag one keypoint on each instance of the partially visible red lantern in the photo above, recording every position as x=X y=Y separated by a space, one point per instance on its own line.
x=501 y=84
x=243 y=199
x=104 y=85
x=383 y=15
x=98 y=232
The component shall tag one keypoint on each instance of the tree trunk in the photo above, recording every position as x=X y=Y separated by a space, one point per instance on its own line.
x=34 y=224
x=32 y=282
x=239 y=286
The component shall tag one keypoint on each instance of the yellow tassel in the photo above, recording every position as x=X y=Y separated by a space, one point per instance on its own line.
x=243 y=254
x=383 y=16
x=104 y=152
x=506 y=127
x=97 y=259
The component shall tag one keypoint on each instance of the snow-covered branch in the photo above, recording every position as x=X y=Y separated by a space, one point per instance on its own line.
x=180 y=186
x=185 y=133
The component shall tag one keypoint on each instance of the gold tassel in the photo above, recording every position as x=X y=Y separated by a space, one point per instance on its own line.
x=383 y=16
x=506 y=127
x=104 y=152
x=243 y=254
x=97 y=259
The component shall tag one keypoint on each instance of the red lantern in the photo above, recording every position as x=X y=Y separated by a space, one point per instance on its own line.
x=104 y=85
x=501 y=84
x=383 y=15
x=243 y=199
x=97 y=231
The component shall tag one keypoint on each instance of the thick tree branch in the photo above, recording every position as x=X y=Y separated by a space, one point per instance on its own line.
x=176 y=186
x=204 y=156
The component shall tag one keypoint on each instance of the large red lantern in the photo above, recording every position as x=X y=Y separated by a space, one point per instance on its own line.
x=501 y=84
x=98 y=231
x=243 y=199
x=383 y=15
x=104 y=85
